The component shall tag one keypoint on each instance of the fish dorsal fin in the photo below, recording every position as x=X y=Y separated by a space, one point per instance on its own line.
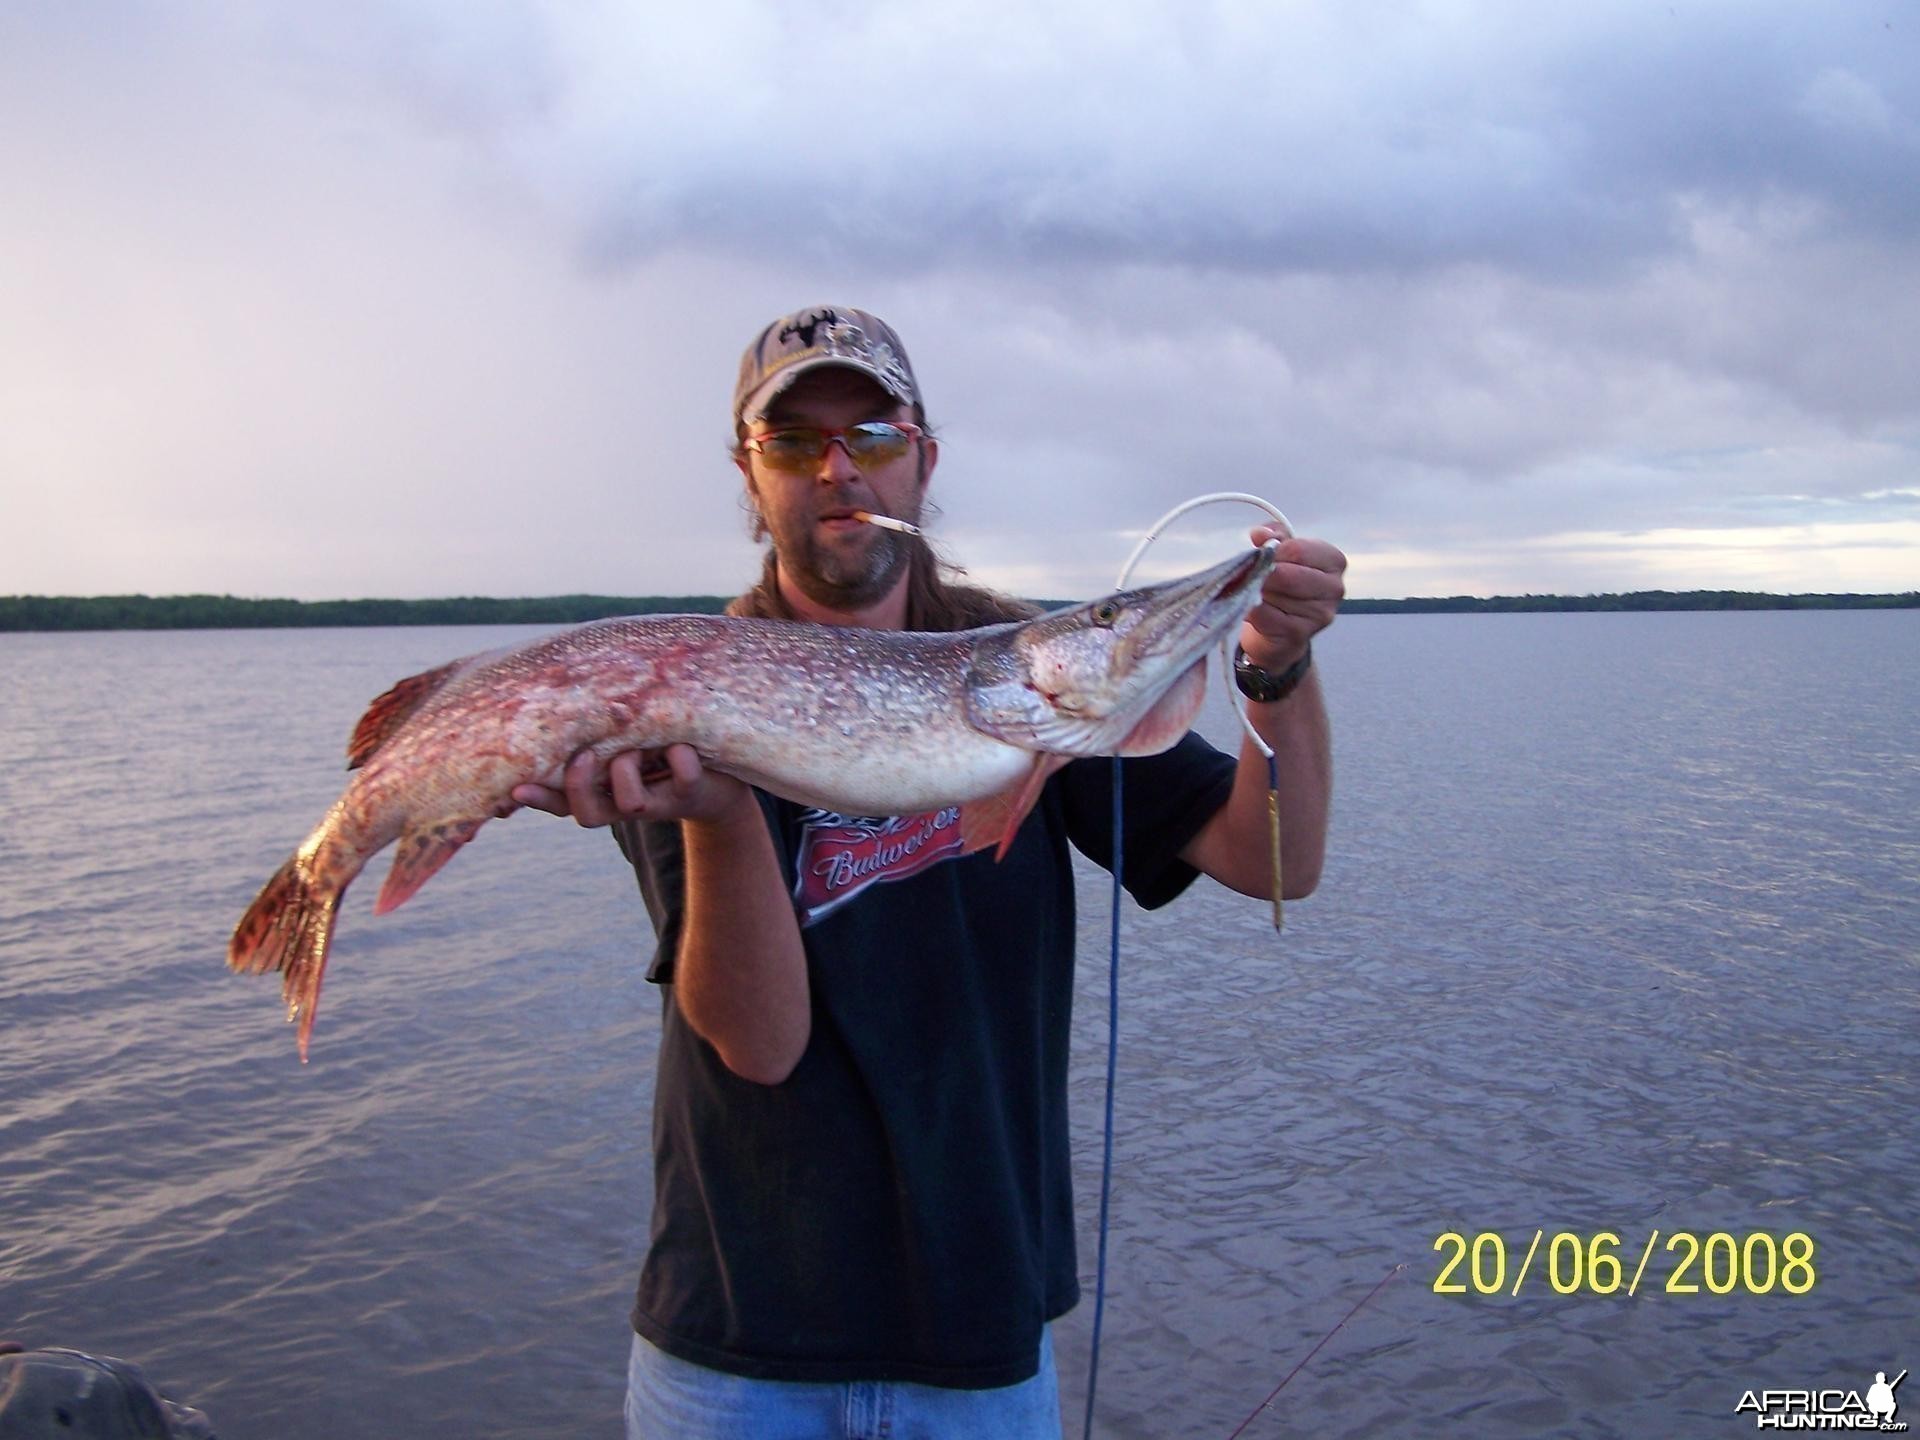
x=996 y=819
x=388 y=713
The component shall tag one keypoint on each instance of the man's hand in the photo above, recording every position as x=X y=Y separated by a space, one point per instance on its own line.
x=669 y=784
x=1297 y=599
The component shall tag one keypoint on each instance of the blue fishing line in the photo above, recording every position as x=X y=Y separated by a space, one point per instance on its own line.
x=1113 y=951
x=1106 y=1149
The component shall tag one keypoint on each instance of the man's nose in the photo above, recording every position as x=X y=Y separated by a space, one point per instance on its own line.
x=836 y=462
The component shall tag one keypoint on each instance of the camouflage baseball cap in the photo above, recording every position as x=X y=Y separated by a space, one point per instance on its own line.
x=820 y=335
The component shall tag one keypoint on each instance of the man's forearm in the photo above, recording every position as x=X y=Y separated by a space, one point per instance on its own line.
x=1234 y=847
x=740 y=974
x=1302 y=741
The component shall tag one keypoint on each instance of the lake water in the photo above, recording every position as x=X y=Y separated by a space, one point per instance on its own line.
x=1619 y=933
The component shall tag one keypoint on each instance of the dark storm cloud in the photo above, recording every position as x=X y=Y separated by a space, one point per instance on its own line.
x=1388 y=138
x=1484 y=292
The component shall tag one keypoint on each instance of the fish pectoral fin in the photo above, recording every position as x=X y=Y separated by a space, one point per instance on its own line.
x=996 y=819
x=422 y=850
x=390 y=711
x=1170 y=716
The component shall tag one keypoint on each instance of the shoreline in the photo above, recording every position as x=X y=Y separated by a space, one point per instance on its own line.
x=56 y=613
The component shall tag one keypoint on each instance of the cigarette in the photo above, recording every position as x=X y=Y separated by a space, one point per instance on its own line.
x=886 y=522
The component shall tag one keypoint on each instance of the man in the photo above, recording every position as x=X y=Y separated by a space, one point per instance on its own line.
x=863 y=1218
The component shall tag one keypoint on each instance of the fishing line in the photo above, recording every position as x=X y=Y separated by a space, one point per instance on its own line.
x=1113 y=1053
x=1113 y=940
x=1380 y=1285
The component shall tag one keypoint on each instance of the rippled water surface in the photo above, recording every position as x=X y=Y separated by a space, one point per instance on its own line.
x=1619 y=933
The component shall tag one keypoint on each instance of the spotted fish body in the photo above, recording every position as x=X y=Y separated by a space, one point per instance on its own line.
x=857 y=721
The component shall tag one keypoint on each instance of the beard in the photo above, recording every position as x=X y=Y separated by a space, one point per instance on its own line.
x=844 y=578
x=848 y=571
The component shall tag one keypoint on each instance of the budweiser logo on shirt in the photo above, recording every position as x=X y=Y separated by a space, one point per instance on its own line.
x=841 y=855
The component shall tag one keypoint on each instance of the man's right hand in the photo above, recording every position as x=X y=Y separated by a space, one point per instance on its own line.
x=669 y=784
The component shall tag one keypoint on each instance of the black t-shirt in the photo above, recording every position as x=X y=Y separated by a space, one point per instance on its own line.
x=900 y=1207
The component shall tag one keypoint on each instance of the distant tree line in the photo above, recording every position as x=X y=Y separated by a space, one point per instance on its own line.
x=229 y=612
x=1630 y=600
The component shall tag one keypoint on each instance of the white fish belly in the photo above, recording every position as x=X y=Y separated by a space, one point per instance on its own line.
x=938 y=766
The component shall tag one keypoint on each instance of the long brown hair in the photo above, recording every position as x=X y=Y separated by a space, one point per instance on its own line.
x=936 y=600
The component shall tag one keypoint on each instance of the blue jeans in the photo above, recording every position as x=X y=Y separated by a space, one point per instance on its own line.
x=673 y=1399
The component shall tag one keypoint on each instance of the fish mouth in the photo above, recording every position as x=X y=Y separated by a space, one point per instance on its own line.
x=1169 y=649
x=1191 y=615
x=1249 y=564
x=1159 y=634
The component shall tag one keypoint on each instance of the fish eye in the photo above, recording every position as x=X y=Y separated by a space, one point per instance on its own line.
x=1106 y=612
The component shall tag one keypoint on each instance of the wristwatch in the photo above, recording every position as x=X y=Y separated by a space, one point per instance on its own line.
x=1264 y=685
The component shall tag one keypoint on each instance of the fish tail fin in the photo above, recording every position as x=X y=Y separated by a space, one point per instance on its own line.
x=288 y=928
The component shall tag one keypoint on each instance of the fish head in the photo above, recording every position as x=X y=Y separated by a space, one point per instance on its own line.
x=1120 y=675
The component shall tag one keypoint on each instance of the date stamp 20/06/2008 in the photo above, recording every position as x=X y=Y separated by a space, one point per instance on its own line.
x=1757 y=1263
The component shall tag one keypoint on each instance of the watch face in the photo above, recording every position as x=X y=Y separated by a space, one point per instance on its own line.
x=1258 y=684
x=1253 y=682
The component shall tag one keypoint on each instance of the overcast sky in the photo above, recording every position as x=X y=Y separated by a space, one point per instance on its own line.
x=412 y=299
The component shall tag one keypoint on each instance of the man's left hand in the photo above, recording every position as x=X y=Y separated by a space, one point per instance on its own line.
x=1298 y=599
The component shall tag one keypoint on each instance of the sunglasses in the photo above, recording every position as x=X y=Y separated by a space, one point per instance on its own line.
x=871 y=444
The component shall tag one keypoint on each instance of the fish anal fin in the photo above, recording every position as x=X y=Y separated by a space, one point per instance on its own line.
x=418 y=856
x=996 y=819
x=390 y=711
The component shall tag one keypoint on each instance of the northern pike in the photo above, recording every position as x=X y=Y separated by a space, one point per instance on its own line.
x=852 y=720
